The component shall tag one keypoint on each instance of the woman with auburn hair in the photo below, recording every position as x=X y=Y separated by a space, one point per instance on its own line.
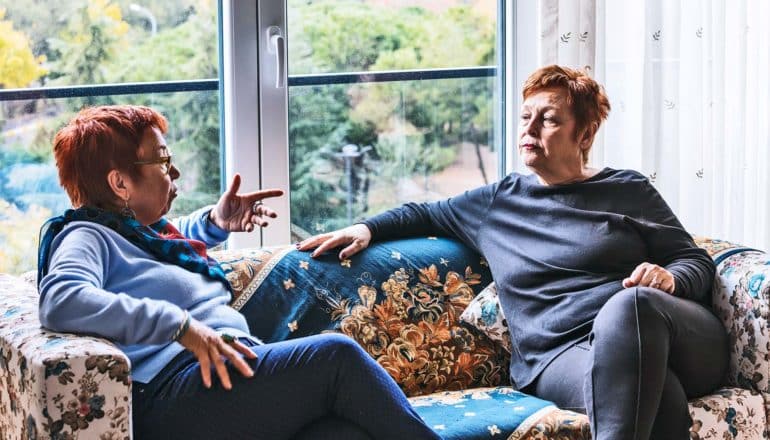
x=606 y=295
x=115 y=267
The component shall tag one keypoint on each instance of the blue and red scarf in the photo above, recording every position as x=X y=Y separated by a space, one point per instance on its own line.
x=160 y=239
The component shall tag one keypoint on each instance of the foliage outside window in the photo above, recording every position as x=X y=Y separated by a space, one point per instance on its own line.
x=94 y=42
x=412 y=131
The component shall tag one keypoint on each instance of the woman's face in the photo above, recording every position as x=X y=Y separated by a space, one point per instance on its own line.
x=548 y=144
x=153 y=190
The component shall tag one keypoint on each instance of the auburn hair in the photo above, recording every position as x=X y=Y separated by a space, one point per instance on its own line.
x=587 y=98
x=96 y=141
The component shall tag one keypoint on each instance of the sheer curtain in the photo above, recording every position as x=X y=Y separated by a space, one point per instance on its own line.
x=688 y=81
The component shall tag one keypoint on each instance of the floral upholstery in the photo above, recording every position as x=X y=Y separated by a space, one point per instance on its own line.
x=54 y=385
x=728 y=413
x=400 y=300
x=555 y=425
x=403 y=301
x=485 y=314
x=481 y=413
x=742 y=302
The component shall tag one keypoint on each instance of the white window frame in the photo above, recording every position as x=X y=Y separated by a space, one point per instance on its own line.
x=248 y=109
x=523 y=43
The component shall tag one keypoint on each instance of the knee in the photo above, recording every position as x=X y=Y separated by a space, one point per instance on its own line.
x=339 y=346
x=636 y=306
x=619 y=309
x=332 y=428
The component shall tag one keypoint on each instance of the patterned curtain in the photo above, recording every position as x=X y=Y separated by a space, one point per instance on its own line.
x=689 y=85
x=568 y=33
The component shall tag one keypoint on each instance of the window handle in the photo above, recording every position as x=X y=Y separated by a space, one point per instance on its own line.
x=276 y=45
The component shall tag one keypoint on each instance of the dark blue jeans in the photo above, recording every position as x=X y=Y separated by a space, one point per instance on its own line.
x=647 y=354
x=317 y=387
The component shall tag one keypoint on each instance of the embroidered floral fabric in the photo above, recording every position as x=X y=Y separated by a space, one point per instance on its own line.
x=481 y=413
x=485 y=314
x=400 y=300
x=728 y=413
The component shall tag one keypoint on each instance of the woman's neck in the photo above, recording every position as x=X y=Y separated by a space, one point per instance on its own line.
x=564 y=178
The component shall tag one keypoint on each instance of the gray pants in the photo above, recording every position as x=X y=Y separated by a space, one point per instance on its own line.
x=647 y=354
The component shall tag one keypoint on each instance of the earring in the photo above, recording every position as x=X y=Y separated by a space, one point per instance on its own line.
x=127 y=211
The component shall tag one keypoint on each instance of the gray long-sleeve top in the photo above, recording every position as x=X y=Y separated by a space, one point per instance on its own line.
x=557 y=253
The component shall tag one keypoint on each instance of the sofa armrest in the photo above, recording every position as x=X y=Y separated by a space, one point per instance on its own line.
x=53 y=384
x=742 y=301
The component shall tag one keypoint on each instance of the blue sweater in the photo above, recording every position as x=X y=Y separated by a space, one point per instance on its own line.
x=559 y=252
x=101 y=284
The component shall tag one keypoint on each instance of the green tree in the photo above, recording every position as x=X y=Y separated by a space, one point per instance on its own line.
x=187 y=50
x=18 y=66
x=94 y=42
x=347 y=35
x=414 y=127
x=17 y=254
x=91 y=39
x=318 y=127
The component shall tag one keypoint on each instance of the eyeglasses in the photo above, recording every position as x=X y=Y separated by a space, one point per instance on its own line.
x=164 y=160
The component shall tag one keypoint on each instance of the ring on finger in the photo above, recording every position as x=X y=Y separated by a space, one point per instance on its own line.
x=256 y=206
x=228 y=338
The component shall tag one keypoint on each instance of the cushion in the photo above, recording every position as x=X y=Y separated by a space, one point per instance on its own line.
x=481 y=413
x=717 y=249
x=728 y=413
x=485 y=314
x=401 y=300
x=554 y=425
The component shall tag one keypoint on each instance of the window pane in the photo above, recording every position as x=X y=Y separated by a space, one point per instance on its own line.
x=29 y=184
x=358 y=149
x=332 y=36
x=402 y=141
x=86 y=42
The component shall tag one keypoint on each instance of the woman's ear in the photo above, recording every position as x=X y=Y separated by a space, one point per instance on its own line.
x=587 y=137
x=117 y=182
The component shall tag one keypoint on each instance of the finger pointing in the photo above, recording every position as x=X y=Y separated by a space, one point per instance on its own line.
x=235 y=185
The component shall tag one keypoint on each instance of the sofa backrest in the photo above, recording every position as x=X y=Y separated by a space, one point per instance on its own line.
x=400 y=300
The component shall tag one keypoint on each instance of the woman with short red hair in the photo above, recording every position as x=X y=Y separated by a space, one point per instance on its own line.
x=606 y=295
x=116 y=268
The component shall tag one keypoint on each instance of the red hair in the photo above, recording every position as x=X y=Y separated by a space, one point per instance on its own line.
x=589 y=103
x=96 y=141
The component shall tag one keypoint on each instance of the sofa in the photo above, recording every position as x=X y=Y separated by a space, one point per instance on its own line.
x=425 y=308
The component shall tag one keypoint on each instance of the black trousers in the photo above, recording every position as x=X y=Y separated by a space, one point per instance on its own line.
x=647 y=354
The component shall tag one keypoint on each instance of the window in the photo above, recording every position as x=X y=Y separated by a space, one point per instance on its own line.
x=374 y=102
x=65 y=55
x=379 y=102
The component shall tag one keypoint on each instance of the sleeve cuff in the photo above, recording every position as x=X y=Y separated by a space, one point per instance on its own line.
x=201 y=228
x=213 y=230
x=371 y=226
